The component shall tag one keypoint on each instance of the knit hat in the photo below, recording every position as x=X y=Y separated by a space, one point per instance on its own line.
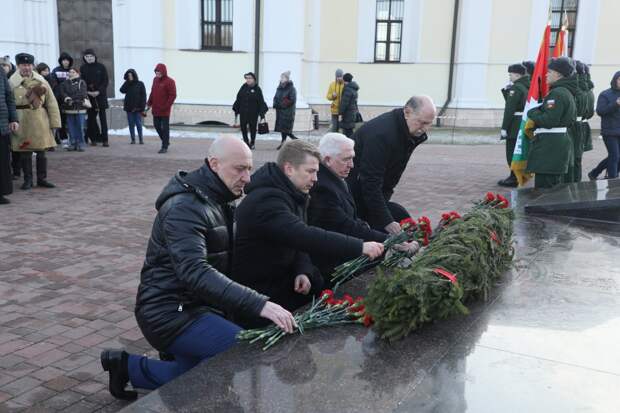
x=24 y=58
x=517 y=68
x=6 y=60
x=287 y=74
x=252 y=75
x=339 y=72
x=562 y=65
x=347 y=77
x=529 y=66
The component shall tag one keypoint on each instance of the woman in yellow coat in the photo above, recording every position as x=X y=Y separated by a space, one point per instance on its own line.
x=38 y=114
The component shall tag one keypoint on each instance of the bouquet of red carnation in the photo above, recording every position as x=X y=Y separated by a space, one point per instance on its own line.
x=346 y=271
x=327 y=311
x=493 y=201
x=447 y=218
x=420 y=232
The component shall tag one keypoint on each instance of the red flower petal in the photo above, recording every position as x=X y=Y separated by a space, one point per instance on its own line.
x=368 y=321
x=490 y=197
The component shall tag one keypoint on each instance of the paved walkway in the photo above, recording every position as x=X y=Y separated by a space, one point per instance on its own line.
x=70 y=257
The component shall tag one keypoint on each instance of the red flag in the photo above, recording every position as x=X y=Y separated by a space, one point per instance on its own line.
x=560 y=48
x=538 y=90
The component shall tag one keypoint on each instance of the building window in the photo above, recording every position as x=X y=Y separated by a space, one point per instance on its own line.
x=217 y=20
x=563 y=12
x=388 y=30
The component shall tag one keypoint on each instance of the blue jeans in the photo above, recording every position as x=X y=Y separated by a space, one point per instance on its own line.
x=134 y=119
x=612 y=143
x=207 y=336
x=75 y=124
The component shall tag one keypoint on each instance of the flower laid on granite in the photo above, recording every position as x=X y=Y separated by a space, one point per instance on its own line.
x=420 y=232
x=327 y=311
x=463 y=262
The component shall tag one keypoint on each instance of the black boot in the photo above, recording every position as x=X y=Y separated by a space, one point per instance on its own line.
x=42 y=171
x=4 y=201
x=115 y=362
x=26 y=161
x=510 y=182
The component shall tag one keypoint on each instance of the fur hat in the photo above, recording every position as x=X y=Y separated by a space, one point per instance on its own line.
x=562 y=65
x=24 y=58
x=529 y=66
x=517 y=68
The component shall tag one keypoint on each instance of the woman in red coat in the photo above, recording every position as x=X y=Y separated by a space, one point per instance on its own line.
x=163 y=94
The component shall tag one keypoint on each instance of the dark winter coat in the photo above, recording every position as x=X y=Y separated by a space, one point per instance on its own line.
x=75 y=90
x=96 y=77
x=163 y=93
x=273 y=243
x=586 y=85
x=284 y=103
x=188 y=255
x=250 y=103
x=515 y=102
x=609 y=110
x=576 y=130
x=135 y=93
x=348 y=105
x=551 y=153
x=8 y=113
x=383 y=147
x=60 y=74
x=332 y=208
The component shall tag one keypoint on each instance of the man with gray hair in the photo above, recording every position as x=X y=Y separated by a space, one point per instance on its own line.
x=331 y=204
x=383 y=147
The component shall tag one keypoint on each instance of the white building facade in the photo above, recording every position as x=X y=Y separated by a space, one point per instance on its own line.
x=393 y=48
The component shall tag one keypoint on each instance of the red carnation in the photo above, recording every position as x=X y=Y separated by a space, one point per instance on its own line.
x=445 y=216
x=368 y=321
x=327 y=293
x=455 y=215
x=347 y=298
x=407 y=223
x=503 y=202
x=490 y=197
x=494 y=237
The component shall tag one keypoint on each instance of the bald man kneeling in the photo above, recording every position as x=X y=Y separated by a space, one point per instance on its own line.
x=183 y=287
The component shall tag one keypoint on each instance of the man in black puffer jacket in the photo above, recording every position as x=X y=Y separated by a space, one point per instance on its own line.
x=182 y=285
x=273 y=243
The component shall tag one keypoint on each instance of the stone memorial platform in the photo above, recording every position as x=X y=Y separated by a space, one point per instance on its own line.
x=546 y=340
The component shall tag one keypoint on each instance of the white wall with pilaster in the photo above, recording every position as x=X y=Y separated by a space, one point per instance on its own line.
x=538 y=19
x=30 y=26
x=586 y=31
x=282 y=46
x=138 y=39
x=472 y=57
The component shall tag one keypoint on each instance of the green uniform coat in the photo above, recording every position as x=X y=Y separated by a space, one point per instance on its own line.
x=515 y=97
x=35 y=125
x=587 y=86
x=550 y=152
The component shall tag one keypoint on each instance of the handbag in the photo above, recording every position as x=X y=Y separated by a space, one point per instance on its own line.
x=263 y=128
x=87 y=104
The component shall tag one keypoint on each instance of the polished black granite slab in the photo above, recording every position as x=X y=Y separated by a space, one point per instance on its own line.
x=547 y=340
x=596 y=200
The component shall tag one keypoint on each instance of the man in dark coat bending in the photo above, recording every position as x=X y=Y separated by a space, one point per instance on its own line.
x=383 y=147
x=273 y=243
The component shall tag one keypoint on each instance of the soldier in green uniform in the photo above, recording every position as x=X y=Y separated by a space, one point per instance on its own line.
x=586 y=86
x=548 y=127
x=575 y=131
x=515 y=96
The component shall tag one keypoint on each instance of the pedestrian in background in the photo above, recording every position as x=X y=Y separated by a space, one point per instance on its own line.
x=608 y=108
x=284 y=103
x=162 y=97
x=348 y=105
x=249 y=106
x=8 y=124
x=74 y=97
x=95 y=75
x=334 y=93
x=59 y=75
x=134 y=103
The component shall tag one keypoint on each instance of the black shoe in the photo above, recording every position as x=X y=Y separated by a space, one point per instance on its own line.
x=105 y=145
x=4 y=201
x=133 y=142
x=45 y=184
x=279 y=147
x=591 y=176
x=93 y=144
x=71 y=149
x=163 y=150
x=141 y=142
x=252 y=147
x=510 y=182
x=115 y=362
x=52 y=149
x=27 y=185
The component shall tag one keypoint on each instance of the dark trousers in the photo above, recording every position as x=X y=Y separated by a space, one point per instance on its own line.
x=542 y=181
x=16 y=163
x=26 y=164
x=612 y=143
x=206 y=337
x=162 y=126
x=249 y=122
x=347 y=132
x=134 y=120
x=92 y=128
x=510 y=149
x=287 y=134
x=6 y=180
